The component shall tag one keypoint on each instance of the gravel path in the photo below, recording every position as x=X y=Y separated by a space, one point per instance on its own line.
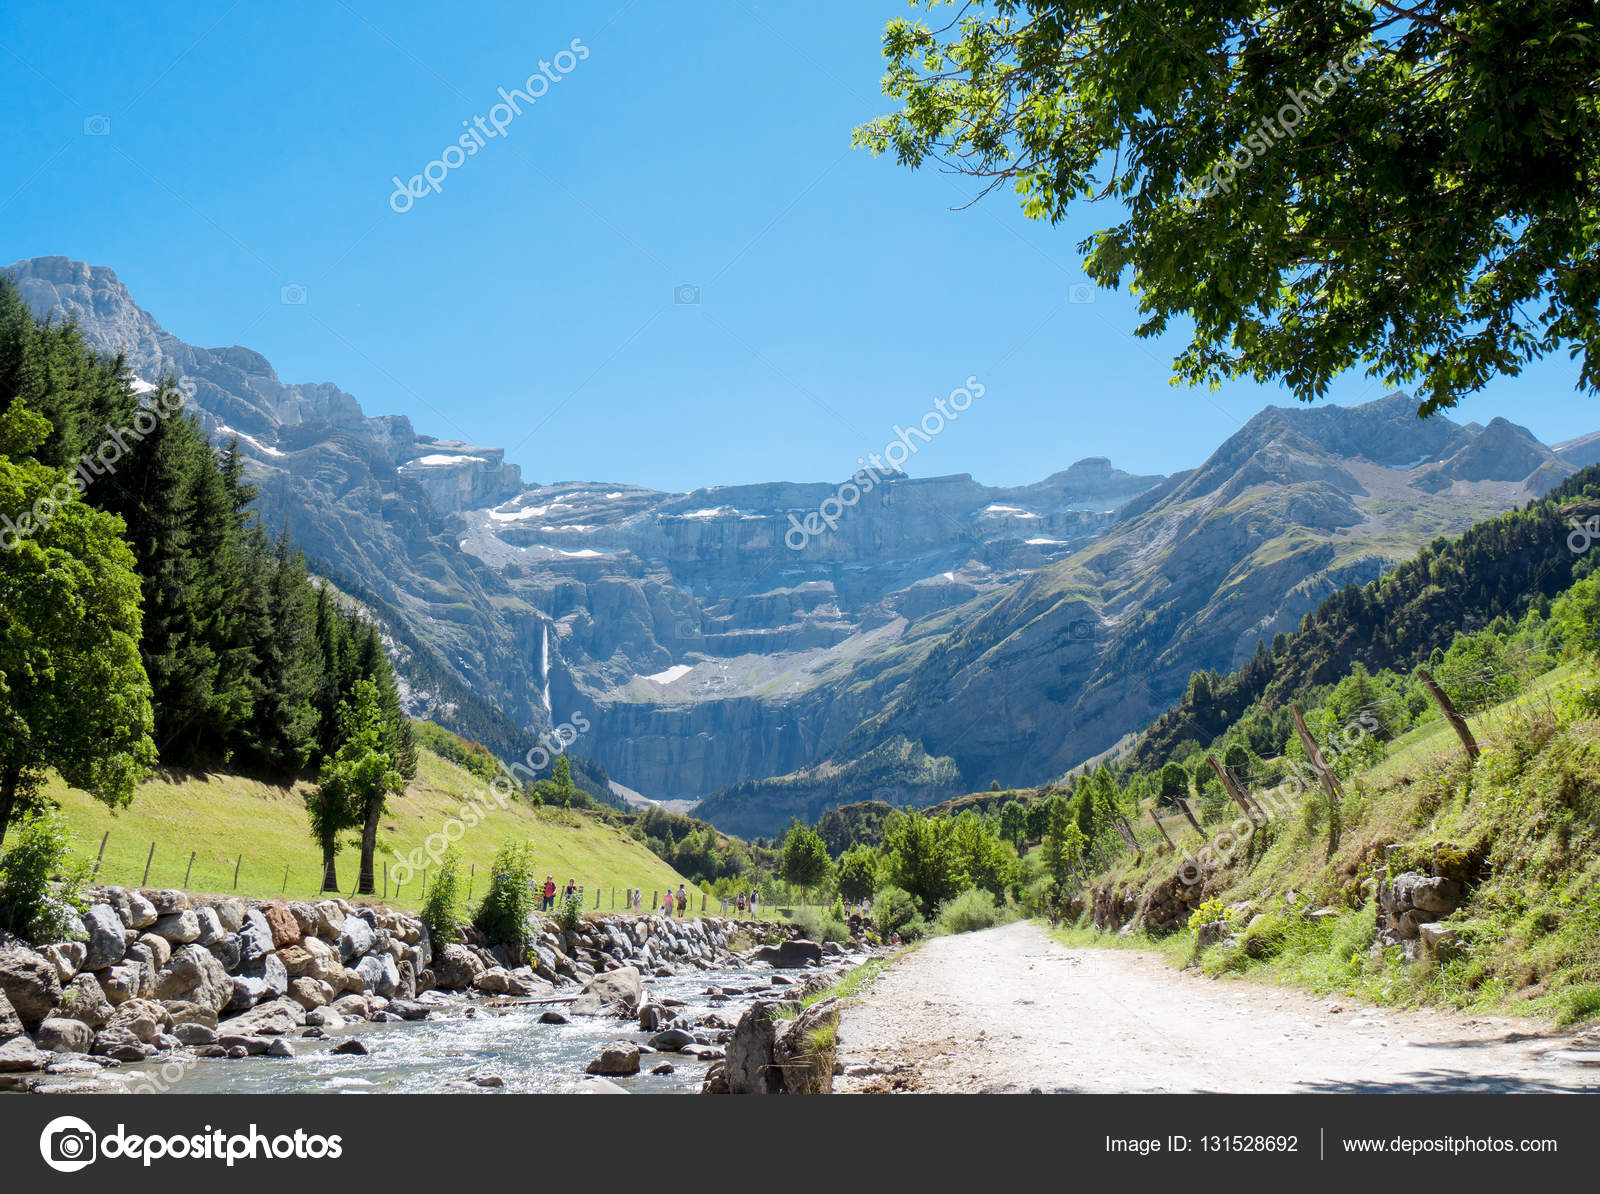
x=1011 y=1010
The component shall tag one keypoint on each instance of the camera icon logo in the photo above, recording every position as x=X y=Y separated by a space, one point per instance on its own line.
x=686 y=296
x=293 y=295
x=67 y=1144
x=97 y=126
x=1080 y=292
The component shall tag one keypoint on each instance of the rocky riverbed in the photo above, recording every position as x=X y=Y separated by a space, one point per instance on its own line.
x=166 y=991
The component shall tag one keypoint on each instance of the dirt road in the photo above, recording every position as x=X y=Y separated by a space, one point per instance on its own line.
x=1011 y=1010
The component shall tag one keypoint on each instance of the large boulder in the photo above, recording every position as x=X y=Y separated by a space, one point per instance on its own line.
x=10 y=1022
x=141 y=912
x=748 y=1066
x=255 y=938
x=180 y=928
x=29 y=980
x=275 y=1017
x=310 y=993
x=83 y=999
x=157 y=949
x=20 y=1055
x=122 y=982
x=231 y=912
x=285 y=927
x=167 y=901
x=455 y=968
x=671 y=1040
x=356 y=938
x=145 y=1018
x=330 y=920
x=64 y=1036
x=211 y=926
x=195 y=976
x=106 y=943
x=67 y=957
x=805 y=1049
x=614 y=993
x=379 y=973
x=791 y=955
x=312 y=958
x=617 y=1059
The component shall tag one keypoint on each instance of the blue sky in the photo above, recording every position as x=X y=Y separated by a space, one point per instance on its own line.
x=248 y=151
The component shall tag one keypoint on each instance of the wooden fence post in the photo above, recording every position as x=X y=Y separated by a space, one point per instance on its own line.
x=98 y=857
x=472 y=879
x=1237 y=793
x=285 y=889
x=1183 y=807
x=1162 y=830
x=145 y=882
x=237 y=864
x=188 y=870
x=385 y=878
x=1447 y=707
x=1330 y=783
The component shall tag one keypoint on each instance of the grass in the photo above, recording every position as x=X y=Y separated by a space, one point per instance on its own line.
x=223 y=817
x=1521 y=829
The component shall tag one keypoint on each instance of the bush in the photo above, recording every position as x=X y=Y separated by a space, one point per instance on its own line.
x=968 y=912
x=441 y=907
x=569 y=913
x=833 y=928
x=40 y=853
x=509 y=902
x=893 y=909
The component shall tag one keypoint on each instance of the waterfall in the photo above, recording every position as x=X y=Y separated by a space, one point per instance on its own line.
x=544 y=669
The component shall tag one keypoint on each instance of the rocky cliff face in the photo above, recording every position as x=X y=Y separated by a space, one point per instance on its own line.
x=730 y=635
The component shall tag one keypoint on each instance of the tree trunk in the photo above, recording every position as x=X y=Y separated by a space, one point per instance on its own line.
x=369 y=847
x=330 y=867
x=8 y=799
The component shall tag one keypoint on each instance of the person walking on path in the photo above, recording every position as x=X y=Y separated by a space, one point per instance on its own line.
x=666 y=902
x=549 y=892
x=683 y=901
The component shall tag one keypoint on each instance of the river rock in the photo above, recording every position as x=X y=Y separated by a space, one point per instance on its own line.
x=255 y=938
x=211 y=927
x=229 y=952
x=83 y=999
x=790 y=955
x=618 y=1059
x=671 y=1040
x=749 y=1066
x=408 y=1009
x=324 y=1017
x=553 y=1017
x=231 y=913
x=276 y=1017
x=379 y=973
x=143 y=1017
x=195 y=976
x=20 y=1055
x=407 y=986
x=350 y=1046
x=716 y=1079
x=141 y=912
x=157 y=949
x=598 y=1086
x=306 y=917
x=330 y=920
x=180 y=928
x=310 y=993
x=282 y=924
x=107 y=942
x=353 y=1006
x=456 y=967
x=253 y=1046
x=280 y=1048
x=122 y=982
x=167 y=901
x=355 y=938
x=29 y=980
x=10 y=1022
x=182 y=1012
x=67 y=957
x=195 y=1036
x=805 y=1049
x=56 y=1035
x=615 y=993
x=497 y=980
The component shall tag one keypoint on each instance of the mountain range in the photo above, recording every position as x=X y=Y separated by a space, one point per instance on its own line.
x=942 y=634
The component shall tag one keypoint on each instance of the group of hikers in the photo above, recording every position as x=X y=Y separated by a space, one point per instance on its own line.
x=672 y=903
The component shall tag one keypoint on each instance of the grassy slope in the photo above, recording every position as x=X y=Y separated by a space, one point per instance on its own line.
x=1523 y=826
x=221 y=816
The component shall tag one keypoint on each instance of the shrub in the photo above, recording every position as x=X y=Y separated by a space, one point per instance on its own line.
x=40 y=853
x=569 y=913
x=441 y=907
x=968 y=912
x=833 y=928
x=1210 y=912
x=893 y=909
x=509 y=902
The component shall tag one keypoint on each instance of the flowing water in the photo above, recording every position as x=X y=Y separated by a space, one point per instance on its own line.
x=442 y=1053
